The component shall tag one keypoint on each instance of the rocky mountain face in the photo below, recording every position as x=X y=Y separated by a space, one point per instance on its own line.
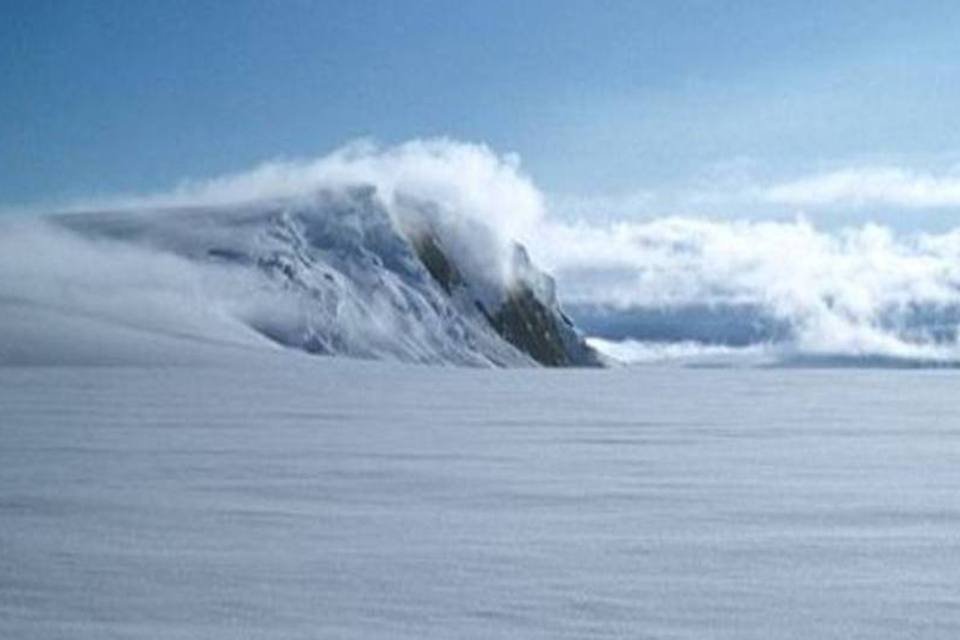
x=533 y=325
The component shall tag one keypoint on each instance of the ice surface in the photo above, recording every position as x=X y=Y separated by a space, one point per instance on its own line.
x=270 y=495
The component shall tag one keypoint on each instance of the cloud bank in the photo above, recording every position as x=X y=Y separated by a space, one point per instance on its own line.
x=891 y=186
x=862 y=291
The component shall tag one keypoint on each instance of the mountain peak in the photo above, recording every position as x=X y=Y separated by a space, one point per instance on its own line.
x=339 y=272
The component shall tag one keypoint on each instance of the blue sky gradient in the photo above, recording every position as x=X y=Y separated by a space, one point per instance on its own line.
x=598 y=98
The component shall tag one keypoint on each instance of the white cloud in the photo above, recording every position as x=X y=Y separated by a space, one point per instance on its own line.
x=467 y=180
x=740 y=192
x=859 y=291
x=869 y=186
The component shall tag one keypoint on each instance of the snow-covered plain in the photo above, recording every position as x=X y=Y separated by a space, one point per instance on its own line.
x=276 y=495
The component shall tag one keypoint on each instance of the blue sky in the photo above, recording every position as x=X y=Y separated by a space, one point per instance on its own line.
x=623 y=101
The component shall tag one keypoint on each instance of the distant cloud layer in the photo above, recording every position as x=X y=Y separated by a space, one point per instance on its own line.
x=870 y=186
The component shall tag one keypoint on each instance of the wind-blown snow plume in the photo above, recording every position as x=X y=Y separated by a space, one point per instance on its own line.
x=70 y=298
x=469 y=179
x=479 y=201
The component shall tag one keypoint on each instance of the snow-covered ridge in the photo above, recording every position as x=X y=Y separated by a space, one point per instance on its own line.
x=335 y=272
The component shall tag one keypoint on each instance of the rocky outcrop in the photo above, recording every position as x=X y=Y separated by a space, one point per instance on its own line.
x=435 y=260
x=533 y=325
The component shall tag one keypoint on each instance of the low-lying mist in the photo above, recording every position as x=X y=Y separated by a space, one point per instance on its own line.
x=789 y=287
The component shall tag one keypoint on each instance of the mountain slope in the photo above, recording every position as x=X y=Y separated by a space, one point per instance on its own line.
x=334 y=273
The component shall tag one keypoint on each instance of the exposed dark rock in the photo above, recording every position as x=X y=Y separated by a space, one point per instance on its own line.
x=540 y=330
x=527 y=324
x=435 y=260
